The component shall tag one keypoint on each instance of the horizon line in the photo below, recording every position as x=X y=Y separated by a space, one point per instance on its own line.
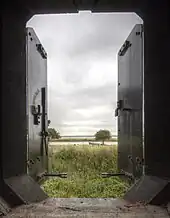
x=81 y=135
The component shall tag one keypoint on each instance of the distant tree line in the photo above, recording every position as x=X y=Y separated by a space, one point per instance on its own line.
x=101 y=135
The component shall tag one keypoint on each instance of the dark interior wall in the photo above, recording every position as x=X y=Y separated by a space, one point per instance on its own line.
x=157 y=86
x=13 y=101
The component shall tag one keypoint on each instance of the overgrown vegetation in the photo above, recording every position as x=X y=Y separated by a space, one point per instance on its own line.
x=84 y=165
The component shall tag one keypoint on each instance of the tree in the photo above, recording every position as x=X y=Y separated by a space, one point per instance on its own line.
x=53 y=133
x=102 y=135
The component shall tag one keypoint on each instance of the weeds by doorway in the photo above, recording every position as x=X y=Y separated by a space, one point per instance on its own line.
x=84 y=165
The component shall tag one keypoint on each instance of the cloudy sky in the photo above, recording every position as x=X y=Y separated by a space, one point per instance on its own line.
x=82 y=68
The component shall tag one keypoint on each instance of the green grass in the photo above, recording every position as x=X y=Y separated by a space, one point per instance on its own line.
x=84 y=165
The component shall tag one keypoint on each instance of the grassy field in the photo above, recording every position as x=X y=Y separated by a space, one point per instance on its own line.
x=84 y=165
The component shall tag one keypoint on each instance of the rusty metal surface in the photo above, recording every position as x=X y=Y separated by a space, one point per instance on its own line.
x=130 y=103
x=88 y=207
x=36 y=104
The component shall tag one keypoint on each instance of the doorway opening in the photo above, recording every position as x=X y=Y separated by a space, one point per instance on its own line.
x=82 y=66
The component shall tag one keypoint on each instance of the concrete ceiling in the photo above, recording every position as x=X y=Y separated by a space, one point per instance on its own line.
x=73 y=6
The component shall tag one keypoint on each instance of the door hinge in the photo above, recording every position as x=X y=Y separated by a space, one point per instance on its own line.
x=140 y=33
x=124 y=48
x=41 y=50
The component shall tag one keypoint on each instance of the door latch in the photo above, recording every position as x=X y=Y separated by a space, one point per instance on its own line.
x=119 y=107
x=36 y=112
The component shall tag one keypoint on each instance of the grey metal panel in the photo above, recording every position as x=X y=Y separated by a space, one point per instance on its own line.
x=130 y=98
x=149 y=189
x=37 y=123
x=26 y=189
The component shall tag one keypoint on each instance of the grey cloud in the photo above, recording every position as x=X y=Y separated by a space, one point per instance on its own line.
x=107 y=33
x=102 y=93
x=85 y=98
x=76 y=71
x=65 y=107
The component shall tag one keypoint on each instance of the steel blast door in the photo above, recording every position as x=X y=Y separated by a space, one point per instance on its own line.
x=130 y=104
x=36 y=106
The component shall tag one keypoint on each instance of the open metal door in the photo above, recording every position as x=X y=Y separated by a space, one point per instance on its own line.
x=130 y=104
x=36 y=106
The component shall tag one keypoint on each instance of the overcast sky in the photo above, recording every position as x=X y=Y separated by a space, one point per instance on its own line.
x=82 y=68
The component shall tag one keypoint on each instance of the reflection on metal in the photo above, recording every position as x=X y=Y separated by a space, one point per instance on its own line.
x=37 y=106
x=130 y=105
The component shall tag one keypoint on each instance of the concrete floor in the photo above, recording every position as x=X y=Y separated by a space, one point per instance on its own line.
x=88 y=207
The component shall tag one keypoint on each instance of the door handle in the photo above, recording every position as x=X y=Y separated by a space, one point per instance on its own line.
x=45 y=122
x=36 y=110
